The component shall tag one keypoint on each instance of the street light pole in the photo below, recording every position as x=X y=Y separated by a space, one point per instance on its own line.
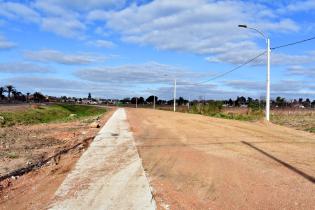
x=174 y=95
x=136 y=102
x=268 y=70
x=268 y=82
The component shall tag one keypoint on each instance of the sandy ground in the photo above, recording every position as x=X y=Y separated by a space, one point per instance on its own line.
x=198 y=162
x=36 y=189
x=109 y=175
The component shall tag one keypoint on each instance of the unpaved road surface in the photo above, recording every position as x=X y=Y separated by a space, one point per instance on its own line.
x=198 y=162
x=109 y=175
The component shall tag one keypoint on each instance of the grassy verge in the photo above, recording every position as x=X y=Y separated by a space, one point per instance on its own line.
x=215 y=109
x=312 y=130
x=301 y=120
x=46 y=114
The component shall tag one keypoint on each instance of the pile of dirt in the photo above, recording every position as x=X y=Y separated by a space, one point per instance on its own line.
x=49 y=150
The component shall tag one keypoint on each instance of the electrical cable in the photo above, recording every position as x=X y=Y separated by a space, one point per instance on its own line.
x=293 y=43
x=227 y=72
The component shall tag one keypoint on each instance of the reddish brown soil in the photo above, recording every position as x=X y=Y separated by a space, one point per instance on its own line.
x=36 y=189
x=14 y=107
x=198 y=162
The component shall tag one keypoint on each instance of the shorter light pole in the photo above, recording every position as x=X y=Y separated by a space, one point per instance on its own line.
x=136 y=102
x=174 y=95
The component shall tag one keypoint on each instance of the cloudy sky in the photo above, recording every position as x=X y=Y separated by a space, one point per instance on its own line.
x=121 y=48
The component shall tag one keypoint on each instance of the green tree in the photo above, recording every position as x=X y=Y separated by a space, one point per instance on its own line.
x=38 y=97
x=307 y=103
x=254 y=105
x=27 y=97
x=141 y=100
x=2 y=91
x=16 y=94
x=150 y=99
x=181 y=101
x=280 y=102
x=9 y=89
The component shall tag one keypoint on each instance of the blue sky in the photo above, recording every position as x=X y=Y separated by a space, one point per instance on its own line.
x=125 y=48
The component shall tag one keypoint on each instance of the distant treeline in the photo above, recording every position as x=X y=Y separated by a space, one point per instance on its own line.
x=240 y=101
x=9 y=94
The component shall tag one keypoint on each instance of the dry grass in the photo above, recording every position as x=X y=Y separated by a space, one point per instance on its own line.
x=295 y=118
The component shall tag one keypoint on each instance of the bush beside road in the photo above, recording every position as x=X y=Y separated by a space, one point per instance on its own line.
x=48 y=113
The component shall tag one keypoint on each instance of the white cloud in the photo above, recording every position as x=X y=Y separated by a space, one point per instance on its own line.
x=59 y=87
x=83 y=5
x=308 y=72
x=276 y=87
x=62 y=58
x=299 y=6
x=101 y=31
x=23 y=67
x=205 y=91
x=243 y=52
x=148 y=73
x=101 y=43
x=97 y=15
x=245 y=85
x=65 y=27
x=5 y=44
x=291 y=59
x=12 y=10
x=197 y=26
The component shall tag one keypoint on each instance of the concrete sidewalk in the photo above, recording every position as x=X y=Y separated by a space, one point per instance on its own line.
x=109 y=175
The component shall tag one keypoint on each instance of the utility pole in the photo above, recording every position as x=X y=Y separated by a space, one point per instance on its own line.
x=268 y=81
x=268 y=70
x=136 y=102
x=174 y=95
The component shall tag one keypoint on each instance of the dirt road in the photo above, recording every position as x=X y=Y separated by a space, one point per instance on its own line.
x=109 y=175
x=198 y=162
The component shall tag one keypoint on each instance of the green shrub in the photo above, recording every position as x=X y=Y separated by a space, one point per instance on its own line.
x=209 y=108
x=312 y=130
x=214 y=109
x=46 y=114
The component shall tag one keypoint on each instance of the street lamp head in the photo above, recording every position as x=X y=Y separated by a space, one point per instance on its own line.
x=242 y=26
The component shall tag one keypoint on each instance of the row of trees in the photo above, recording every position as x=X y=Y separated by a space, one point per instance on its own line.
x=10 y=94
x=240 y=101
x=279 y=102
x=151 y=99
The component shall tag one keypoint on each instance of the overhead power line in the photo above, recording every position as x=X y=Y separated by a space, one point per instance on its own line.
x=293 y=43
x=247 y=62
x=228 y=72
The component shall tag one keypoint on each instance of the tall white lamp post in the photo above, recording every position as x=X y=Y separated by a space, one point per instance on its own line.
x=268 y=69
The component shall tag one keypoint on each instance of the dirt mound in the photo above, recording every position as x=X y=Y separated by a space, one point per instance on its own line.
x=57 y=145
